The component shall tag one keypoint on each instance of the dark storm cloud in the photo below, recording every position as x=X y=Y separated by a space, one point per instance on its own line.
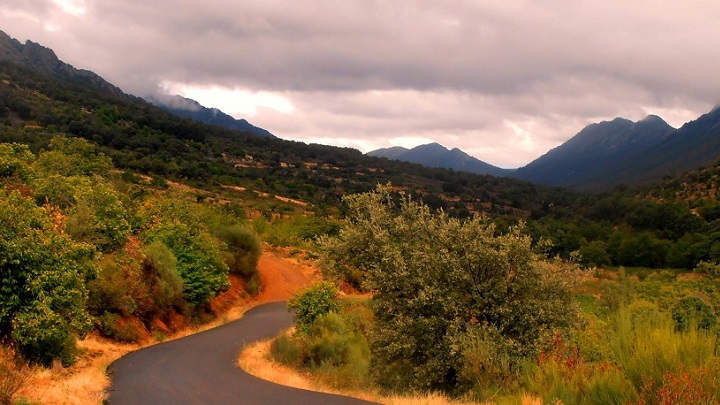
x=510 y=79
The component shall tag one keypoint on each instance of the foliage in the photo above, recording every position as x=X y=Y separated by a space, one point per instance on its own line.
x=693 y=311
x=15 y=160
x=711 y=269
x=312 y=302
x=645 y=360
x=200 y=261
x=42 y=299
x=161 y=274
x=437 y=279
x=99 y=217
x=333 y=347
x=286 y=350
x=243 y=253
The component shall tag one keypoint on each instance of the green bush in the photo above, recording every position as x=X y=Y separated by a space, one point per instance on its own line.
x=161 y=275
x=43 y=294
x=286 y=350
x=312 y=302
x=200 y=261
x=693 y=311
x=488 y=359
x=712 y=269
x=336 y=352
x=243 y=253
x=435 y=278
x=115 y=289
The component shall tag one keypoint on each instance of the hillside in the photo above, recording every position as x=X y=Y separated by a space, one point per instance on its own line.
x=622 y=152
x=436 y=155
x=141 y=137
x=188 y=108
x=594 y=157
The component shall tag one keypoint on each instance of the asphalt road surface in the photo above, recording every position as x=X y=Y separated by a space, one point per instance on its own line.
x=202 y=368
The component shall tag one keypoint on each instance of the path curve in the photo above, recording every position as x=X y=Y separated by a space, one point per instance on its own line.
x=201 y=368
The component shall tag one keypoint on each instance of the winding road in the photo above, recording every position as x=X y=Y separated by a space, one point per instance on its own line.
x=202 y=368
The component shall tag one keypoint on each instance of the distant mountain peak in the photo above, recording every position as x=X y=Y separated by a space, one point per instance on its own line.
x=189 y=108
x=436 y=155
x=42 y=59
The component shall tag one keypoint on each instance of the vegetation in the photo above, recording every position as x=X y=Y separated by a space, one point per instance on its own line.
x=316 y=301
x=333 y=346
x=443 y=288
x=118 y=217
x=443 y=316
x=83 y=249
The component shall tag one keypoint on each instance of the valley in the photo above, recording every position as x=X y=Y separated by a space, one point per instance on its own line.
x=124 y=224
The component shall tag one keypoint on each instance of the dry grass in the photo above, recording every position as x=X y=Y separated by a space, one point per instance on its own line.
x=82 y=383
x=255 y=359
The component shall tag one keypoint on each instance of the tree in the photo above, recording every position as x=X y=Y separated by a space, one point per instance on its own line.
x=199 y=260
x=43 y=294
x=440 y=283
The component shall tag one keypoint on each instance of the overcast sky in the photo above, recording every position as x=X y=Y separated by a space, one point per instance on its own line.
x=502 y=80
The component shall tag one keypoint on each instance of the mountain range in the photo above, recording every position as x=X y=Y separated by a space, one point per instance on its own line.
x=599 y=157
x=436 y=155
x=44 y=60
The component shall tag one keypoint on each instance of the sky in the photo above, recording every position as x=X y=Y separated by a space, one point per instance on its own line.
x=504 y=81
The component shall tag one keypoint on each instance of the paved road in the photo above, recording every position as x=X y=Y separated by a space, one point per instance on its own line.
x=201 y=369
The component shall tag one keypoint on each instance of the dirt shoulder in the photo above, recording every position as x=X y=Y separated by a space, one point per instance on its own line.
x=86 y=381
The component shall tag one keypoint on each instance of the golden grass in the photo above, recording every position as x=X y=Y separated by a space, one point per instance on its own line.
x=255 y=359
x=83 y=383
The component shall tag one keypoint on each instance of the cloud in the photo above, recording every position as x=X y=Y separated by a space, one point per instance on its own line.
x=368 y=73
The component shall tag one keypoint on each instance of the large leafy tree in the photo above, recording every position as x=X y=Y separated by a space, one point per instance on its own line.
x=42 y=274
x=445 y=288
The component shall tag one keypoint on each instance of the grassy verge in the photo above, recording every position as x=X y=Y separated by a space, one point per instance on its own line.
x=256 y=359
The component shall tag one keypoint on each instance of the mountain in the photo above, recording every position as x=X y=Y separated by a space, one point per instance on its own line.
x=188 y=108
x=620 y=151
x=393 y=153
x=696 y=144
x=43 y=60
x=436 y=155
x=595 y=156
x=43 y=97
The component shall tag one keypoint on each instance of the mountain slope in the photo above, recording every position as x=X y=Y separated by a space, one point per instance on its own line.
x=436 y=155
x=694 y=145
x=188 y=108
x=597 y=157
x=38 y=103
x=43 y=60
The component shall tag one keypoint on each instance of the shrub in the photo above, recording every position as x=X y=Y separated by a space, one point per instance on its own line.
x=712 y=269
x=14 y=373
x=332 y=348
x=199 y=257
x=243 y=253
x=312 y=302
x=693 y=311
x=435 y=277
x=488 y=359
x=43 y=294
x=122 y=330
x=161 y=275
x=286 y=350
